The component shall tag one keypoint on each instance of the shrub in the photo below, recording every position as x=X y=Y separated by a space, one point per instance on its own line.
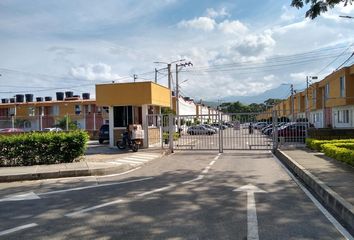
x=42 y=148
x=341 y=152
x=317 y=144
x=165 y=136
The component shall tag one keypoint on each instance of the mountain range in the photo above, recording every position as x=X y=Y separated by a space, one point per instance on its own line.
x=281 y=92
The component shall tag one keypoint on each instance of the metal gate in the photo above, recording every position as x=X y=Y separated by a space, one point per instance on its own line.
x=219 y=132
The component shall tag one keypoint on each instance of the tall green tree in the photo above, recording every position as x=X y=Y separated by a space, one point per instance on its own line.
x=318 y=6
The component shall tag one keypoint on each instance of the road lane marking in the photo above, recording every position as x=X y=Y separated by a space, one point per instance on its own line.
x=20 y=197
x=19 y=228
x=119 y=174
x=136 y=159
x=85 y=210
x=252 y=222
x=93 y=208
x=116 y=163
x=127 y=161
x=335 y=223
x=206 y=170
x=200 y=177
x=212 y=163
x=156 y=190
x=32 y=195
x=94 y=186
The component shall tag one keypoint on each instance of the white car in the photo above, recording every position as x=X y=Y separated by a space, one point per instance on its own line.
x=55 y=129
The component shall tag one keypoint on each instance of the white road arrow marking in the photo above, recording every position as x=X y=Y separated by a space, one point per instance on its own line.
x=32 y=195
x=20 y=197
x=252 y=222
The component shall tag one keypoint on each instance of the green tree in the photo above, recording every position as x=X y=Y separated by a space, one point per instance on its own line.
x=318 y=6
x=62 y=123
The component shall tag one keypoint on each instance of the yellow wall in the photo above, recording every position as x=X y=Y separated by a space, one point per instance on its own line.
x=65 y=107
x=136 y=94
x=334 y=98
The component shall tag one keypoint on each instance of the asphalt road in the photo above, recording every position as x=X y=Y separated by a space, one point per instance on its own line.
x=183 y=196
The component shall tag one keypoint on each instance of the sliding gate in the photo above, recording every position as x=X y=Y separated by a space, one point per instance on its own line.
x=239 y=131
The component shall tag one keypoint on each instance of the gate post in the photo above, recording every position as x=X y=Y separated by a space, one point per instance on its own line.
x=221 y=143
x=275 y=130
x=171 y=130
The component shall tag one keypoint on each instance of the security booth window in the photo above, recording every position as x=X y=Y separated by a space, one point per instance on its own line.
x=123 y=116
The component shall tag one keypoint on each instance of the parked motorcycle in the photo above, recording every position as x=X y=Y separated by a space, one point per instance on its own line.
x=129 y=143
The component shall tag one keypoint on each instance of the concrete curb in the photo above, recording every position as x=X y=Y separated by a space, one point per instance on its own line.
x=337 y=205
x=65 y=173
x=71 y=172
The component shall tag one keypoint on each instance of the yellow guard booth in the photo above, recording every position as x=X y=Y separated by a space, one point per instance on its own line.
x=130 y=103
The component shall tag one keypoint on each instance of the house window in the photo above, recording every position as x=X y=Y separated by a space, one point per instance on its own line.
x=342 y=86
x=31 y=111
x=55 y=110
x=299 y=103
x=327 y=91
x=314 y=93
x=77 y=109
x=343 y=116
x=123 y=116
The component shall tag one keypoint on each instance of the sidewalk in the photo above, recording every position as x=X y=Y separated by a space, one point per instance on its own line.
x=331 y=180
x=97 y=161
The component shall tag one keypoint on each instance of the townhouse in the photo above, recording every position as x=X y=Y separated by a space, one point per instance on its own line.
x=23 y=112
x=328 y=103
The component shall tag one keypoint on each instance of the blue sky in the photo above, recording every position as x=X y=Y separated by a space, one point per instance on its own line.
x=237 y=47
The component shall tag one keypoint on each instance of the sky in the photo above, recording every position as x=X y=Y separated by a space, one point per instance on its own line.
x=238 y=48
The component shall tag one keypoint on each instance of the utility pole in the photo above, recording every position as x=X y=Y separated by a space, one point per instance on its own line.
x=156 y=75
x=169 y=83
x=177 y=89
x=307 y=95
x=135 y=77
x=169 y=76
x=292 y=101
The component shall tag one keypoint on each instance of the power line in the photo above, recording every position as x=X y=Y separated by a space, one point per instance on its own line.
x=334 y=60
x=346 y=61
x=314 y=53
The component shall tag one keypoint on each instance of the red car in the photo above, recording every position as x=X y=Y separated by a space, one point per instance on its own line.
x=11 y=130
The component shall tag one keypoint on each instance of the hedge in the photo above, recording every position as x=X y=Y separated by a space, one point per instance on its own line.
x=317 y=144
x=341 y=152
x=42 y=148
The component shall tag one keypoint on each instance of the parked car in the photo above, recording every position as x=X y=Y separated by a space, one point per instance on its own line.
x=259 y=125
x=295 y=131
x=210 y=127
x=200 y=130
x=222 y=127
x=103 y=134
x=54 y=129
x=11 y=130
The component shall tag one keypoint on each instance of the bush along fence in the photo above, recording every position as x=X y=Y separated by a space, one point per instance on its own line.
x=42 y=148
x=342 y=150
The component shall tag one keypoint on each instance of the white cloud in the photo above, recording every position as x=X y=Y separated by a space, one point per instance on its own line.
x=212 y=13
x=201 y=23
x=98 y=71
x=232 y=27
x=287 y=14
